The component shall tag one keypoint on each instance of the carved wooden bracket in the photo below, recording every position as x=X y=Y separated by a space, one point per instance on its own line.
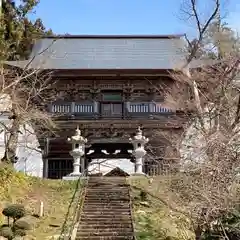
x=128 y=88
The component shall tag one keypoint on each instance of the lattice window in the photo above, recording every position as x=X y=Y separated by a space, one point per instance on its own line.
x=112 y=96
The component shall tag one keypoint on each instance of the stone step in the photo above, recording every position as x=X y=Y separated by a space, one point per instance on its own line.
x=103 y=192
x=115 y=209
x=104 y=238
x=101 y=225
x=107 y=186
x=104 y=230
x=111 y=203
x=112 y=179
x=103 y=234
x=107 y=183
x=107 y=190
x=96 y=191
x=107 y=213
x=106 y=203
x=105 y=200
x=101 y=220
x=105 y=207
x=116 y=198
x=87 y=196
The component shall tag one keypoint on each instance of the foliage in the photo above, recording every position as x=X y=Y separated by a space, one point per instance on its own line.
x=20 y=232
x=227 y=225
x=17 y=228
x=12 y=182
x=143 y=196
x=14 y=211
x=17 y=31
x=6 y=231
x=29 y=191
x=218 y=42
x=17 y=35
x=207 y=188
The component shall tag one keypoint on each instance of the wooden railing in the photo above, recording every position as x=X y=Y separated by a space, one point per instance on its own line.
x=94 y=110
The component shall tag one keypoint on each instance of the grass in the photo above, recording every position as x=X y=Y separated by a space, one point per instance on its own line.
x=30 y=191
x=154 y=220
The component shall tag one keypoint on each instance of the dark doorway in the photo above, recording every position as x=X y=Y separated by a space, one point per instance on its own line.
x=59 y=168
x=112 y=110
x=111 y=104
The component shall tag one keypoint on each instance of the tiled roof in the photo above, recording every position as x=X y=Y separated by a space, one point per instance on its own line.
x=106 y=52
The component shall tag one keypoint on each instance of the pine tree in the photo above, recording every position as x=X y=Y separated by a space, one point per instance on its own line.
x=18 y=32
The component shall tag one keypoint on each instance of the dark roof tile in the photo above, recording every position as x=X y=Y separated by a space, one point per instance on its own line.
x=106 y=53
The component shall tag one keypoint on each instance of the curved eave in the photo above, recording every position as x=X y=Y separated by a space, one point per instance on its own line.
x=27 y=66
x=19 y=64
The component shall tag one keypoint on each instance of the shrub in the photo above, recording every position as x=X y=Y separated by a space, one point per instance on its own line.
x=20 y=232
x=14 y=211
x=143 y=196
x=25 y=223
x=6 y=232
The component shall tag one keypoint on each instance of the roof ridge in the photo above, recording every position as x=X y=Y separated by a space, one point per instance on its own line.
x=131 y=36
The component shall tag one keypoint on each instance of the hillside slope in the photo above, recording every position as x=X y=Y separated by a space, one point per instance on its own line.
x=154 y=220
x=30 y=191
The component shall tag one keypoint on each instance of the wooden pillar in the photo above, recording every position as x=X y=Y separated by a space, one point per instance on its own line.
x=45 y=157
x=45 y=167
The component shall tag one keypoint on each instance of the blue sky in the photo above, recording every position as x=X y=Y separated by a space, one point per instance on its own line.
x=124 y=16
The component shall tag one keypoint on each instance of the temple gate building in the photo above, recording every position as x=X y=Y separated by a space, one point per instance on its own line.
x=109 y=86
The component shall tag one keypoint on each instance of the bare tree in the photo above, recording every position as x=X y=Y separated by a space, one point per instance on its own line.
x=207 y=190
x=29 y=93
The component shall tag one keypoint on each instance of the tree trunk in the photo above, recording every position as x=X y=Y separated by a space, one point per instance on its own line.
x=198 y=233
x=11 y=144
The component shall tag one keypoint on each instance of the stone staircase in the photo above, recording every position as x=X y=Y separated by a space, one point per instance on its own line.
x=106 y=213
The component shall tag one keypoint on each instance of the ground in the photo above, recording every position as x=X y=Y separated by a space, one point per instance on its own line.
x=29 y=191
x=154 y=219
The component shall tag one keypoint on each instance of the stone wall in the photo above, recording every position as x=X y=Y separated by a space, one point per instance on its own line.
x=29 y=157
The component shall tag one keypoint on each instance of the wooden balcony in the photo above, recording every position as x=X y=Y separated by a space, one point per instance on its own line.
x=114 y=110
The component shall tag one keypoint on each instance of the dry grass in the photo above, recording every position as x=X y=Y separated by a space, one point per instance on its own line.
x=55 y=194
x=155 y=219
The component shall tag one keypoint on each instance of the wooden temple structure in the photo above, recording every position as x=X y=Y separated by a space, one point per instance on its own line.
x=109 y=86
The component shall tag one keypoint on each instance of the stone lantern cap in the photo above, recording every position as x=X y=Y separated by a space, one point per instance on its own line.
x=77 y=138
x=139 y=136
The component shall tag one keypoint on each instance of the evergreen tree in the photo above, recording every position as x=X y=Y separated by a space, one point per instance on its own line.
x=18 y=32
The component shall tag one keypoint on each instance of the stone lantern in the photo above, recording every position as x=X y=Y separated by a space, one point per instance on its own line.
x=139 y=152
x=78 y=150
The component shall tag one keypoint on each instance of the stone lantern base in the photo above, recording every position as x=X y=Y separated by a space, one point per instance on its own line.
x=138 y=175
x=71 y=177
